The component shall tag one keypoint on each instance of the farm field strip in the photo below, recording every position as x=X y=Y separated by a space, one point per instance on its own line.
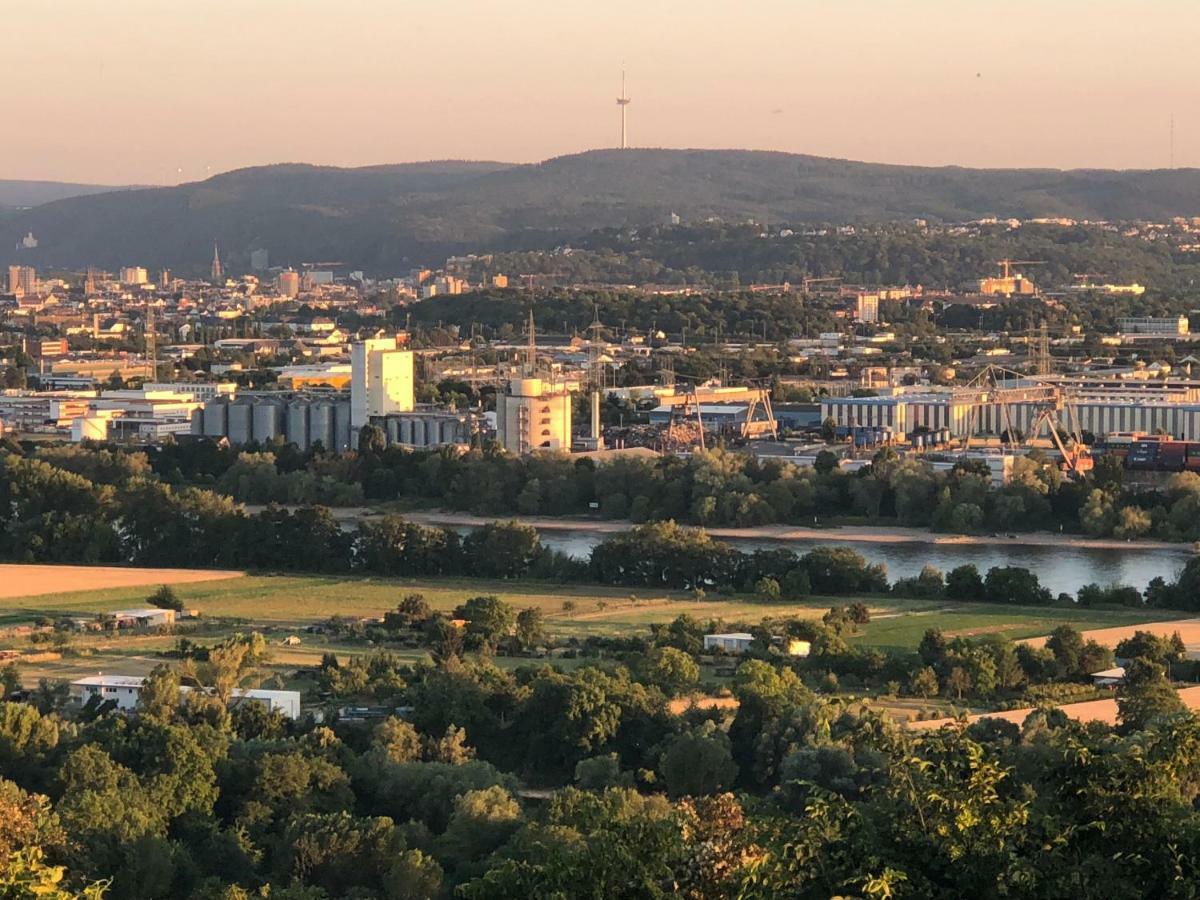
x=18 y=580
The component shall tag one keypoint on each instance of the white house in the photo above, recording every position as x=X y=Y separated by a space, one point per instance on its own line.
x=734 y=642
x=125 y=689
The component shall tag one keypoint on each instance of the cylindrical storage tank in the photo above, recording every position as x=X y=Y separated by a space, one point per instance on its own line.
x=392 y=430
x=419 y=433
x=267 y=421
x=406 y=430
x=449 y=431
x=320 y=425
x=341 y=426
x=239 y=423
x=297 y=424
x=216 y=419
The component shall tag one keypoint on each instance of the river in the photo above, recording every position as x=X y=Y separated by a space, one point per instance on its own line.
x=1063 y=568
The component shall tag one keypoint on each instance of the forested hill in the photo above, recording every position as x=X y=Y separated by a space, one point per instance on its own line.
x=384 y=218
x=17 y=193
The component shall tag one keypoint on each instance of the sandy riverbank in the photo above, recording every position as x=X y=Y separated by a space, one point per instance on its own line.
x=843 y=534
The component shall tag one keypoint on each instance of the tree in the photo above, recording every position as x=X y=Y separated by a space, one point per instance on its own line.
x=159 y=696
x=672 y=670
x=599 y=772
x=1147 y=645
x=1146 y=696
x=964 y=583
x=488 y=620
x=412 y=611
x=698 y=762
x=482 y=820
x=398 y=740
x=451 y=748
x=958 y=682
x=530 y=627
x=166 y=598
x=371 y=440
x=924 y=683
x=1066 y=643
x=10 y=680
x=1013 y=584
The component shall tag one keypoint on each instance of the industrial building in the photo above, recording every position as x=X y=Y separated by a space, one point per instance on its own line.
x=1132 y=408
x=533 y=414
x=1155 y=325
x=381 y=380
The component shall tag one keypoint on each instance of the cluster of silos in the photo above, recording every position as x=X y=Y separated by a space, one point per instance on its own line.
x=324 y=421
x=300 y=420
x=425 y=429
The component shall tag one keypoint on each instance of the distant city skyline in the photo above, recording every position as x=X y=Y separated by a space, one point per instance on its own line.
x=144 y=92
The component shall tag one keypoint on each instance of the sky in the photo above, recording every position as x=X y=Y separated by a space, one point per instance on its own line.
x=164 y=91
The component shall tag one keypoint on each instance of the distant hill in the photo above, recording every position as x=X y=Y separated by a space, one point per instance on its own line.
x=385 y=218
x=15 y=193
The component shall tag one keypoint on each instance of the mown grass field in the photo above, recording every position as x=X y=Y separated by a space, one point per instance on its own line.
x=282 y=605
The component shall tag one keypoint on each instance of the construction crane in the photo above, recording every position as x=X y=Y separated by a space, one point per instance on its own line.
x=1051 y=409
x=806 y=281
x=1007 y=264
x=686 y=427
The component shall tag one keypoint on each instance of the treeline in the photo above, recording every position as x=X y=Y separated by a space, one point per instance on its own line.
x=714 y=488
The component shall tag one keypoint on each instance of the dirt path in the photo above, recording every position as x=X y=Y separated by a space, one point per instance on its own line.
x=32 y=581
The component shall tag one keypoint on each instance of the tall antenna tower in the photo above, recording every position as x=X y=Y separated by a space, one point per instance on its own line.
x=623 y=102
x=1172 y=140
x=1042 y=360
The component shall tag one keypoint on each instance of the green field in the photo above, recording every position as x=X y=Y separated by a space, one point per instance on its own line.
x=282 y=605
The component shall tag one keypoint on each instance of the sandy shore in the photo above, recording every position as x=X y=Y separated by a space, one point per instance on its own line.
x=844 y=534
x=32 y=581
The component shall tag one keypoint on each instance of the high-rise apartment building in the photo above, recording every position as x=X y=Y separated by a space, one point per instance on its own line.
x=866 y=307
x=22 y=280
x=134 y=275
x=289 y=283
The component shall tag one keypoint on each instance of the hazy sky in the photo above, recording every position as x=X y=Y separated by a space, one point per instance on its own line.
x=150 y=91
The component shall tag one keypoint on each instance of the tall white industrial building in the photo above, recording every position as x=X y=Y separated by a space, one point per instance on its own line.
x=532 y=414
x=381 y=380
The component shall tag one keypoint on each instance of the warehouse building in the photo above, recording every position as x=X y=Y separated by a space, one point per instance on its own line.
x=1131 y=409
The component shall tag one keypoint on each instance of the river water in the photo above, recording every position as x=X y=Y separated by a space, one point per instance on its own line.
x=1059 y=568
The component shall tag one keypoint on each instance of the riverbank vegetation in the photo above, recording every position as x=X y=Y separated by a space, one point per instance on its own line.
x=715 y=488
x=53 y=513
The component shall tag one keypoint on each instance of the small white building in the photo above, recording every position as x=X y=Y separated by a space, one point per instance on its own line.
x=1109 y=677
x=734 y=642
x=125 y=690
x=150 y=617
